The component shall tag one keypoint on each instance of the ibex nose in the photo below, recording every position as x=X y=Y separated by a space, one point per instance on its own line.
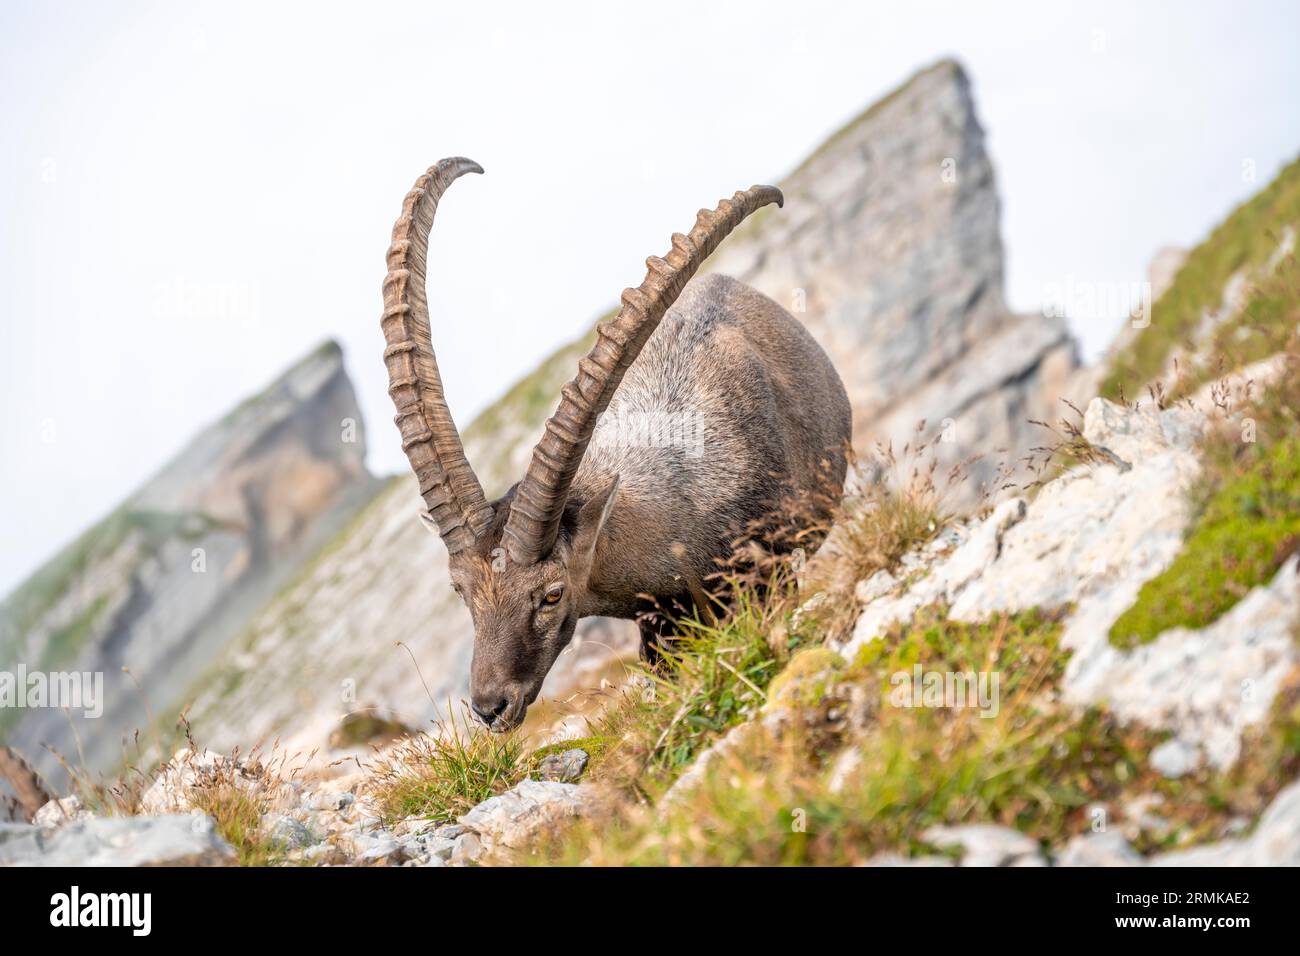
x=489 y=708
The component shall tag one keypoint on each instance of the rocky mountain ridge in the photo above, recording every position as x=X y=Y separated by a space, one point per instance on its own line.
x=173 y=573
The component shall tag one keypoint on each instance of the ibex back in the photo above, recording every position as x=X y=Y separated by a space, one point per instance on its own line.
x=715 y=409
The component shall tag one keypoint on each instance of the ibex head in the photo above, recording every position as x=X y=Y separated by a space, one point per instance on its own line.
x=522 y=564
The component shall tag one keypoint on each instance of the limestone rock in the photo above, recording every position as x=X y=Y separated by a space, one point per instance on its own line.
x=58 y=812
x=984 y=844
x=287 y=833
x=1091 y=539
x=1207 y=685
x=513 y=819
x=1275 y=842
x=176 y=840
x=1175 y=758
x=564 y=767
x=1098 y=849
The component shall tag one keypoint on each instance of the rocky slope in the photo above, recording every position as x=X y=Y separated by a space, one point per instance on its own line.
x=1214 y=690
x=165 y=581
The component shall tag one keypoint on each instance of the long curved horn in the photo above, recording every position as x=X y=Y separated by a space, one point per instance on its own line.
x=539 y=500
x=450 y=489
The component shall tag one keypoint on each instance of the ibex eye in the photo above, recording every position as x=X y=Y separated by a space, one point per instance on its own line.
x=553 y=595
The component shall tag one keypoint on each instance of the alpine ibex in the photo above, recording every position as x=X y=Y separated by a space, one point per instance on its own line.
x=619 y=527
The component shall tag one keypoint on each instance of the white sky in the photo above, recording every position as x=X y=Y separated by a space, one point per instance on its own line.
x=193 y=195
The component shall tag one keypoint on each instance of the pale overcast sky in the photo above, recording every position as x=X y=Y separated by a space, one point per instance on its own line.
x=193 y=195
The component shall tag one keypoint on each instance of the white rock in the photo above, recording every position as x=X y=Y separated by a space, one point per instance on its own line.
x=869 y=589
x=1206 y=685
x=846 y=766
x=985 y=844
x=58 y=812
x=174 y=840
x=1275 y=842
x=1175 y=758
x=1098 y=849
x=287 y=833
x=1091 y=539
x=513 y=818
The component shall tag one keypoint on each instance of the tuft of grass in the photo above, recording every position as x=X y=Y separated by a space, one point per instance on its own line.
x=712 y=678
x=1267 y=324
x=443 y=775
x=898 y=506
x=237 y=810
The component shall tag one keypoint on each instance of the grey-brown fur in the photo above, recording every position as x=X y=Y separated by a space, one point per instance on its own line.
x=615 y=515
x=774 y=420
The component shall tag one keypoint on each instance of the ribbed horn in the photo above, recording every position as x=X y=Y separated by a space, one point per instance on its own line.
x=538 y=504
x=450 y=489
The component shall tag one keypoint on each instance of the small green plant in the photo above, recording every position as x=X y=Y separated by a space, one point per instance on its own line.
x=444 y=774
x=237 y=810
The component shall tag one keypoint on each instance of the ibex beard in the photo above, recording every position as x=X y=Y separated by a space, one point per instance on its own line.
x=616 y=528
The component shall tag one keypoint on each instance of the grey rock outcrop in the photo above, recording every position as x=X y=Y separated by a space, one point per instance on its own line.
x=564 y=767
x=985 y=844
x=514 y=819
x=116 y=841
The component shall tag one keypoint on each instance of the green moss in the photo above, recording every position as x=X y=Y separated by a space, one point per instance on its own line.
x=596 y=747
x=805 y=680
x=1248 y=526
x=1245 y=240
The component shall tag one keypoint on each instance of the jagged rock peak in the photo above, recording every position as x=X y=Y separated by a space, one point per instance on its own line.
x=889 y=250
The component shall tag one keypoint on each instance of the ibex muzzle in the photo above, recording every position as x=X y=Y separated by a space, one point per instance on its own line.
x=755 y=415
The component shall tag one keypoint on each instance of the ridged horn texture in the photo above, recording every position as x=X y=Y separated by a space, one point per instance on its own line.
x=450 y=489
x=538 y=504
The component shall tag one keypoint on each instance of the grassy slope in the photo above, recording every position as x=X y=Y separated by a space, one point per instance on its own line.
x=1247 y=508
x=1245 y=240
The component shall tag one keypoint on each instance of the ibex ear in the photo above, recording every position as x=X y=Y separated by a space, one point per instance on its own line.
x=591 y=522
